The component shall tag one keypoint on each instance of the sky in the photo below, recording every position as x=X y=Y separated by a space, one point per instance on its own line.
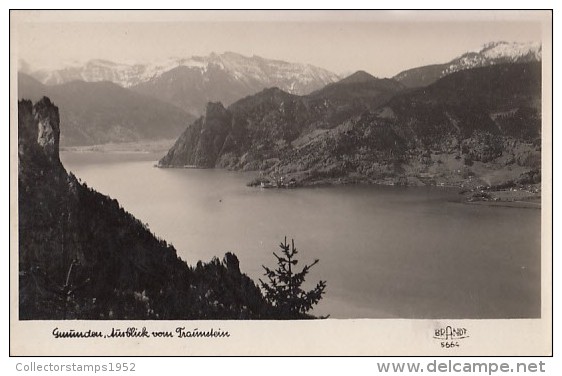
x=382 y=43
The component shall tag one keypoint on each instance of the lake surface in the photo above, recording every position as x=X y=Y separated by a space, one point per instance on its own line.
x=385 y=252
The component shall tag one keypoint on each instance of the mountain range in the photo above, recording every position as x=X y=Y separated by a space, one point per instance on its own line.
x=374 y=130
x=189 y=83
x=257 y=73
x=107 y=102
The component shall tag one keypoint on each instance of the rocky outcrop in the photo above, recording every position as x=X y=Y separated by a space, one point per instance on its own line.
x=102 y=112
x=82 y=256
x=202 y=143
x=215 y=128
x=47 y=116
x=254 y=131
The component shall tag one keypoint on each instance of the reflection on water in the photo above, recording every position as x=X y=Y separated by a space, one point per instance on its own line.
x=384 y=251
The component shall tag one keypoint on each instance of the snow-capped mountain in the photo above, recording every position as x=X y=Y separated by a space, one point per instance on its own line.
x=92 y=71
x=490 y=54
x=190 y=83
x=295 y=78
x=228 y=77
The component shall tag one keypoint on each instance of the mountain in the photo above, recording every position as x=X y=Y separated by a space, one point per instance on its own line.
x=82 y=256
x=102 y=112
x=252 y=132
x=98 y=70
x=466 y=129
x=189 y=83
x=228 y=77
x=350 y=96
x=358 y=77
x=480 y=99
x=490 y=54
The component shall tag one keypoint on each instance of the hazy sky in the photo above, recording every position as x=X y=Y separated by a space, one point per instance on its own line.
x=382 y=43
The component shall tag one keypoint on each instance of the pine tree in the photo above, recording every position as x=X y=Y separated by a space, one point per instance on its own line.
x=284 y=292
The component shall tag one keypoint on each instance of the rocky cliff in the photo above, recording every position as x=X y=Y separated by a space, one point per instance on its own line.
x=82 y=256
x=255 y=131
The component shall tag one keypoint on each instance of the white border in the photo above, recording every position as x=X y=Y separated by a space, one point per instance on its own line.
x=522 y=4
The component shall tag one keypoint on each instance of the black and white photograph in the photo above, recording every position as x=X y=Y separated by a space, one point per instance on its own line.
x=204 y=174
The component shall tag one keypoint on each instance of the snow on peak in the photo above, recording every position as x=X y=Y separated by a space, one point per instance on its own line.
x=290 y=76
x=512 y=50
x=496 y=53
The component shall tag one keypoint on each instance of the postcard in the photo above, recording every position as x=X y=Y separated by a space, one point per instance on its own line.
x=280 y=182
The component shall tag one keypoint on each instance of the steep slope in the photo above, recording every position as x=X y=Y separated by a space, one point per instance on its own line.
x=243 y=136
x=190 y=89
x=253 y=131
x=190 y=83
x=487 y=117
x=490 y=54
x=82 y=256
x=102 y=112
x=480 y=99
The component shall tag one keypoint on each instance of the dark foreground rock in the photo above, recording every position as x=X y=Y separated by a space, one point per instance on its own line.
x=82 y=256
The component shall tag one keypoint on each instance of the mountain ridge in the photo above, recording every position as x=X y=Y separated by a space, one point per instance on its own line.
x=189 y=83
x=273 y=114
x=488 y=117
x=489 y=54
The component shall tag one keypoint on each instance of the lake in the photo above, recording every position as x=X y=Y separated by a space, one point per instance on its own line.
x=385 y=252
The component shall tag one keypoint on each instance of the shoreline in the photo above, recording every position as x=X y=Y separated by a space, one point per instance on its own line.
x=521 y=197
x=144 y=147
x=508 y=204
x=525 y=196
